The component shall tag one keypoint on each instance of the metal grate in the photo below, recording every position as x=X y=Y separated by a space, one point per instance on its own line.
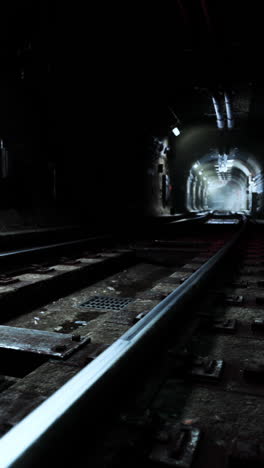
x=107 y=302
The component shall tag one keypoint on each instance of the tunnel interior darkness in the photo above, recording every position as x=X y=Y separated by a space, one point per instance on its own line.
x=230 y=182
x=53 y=172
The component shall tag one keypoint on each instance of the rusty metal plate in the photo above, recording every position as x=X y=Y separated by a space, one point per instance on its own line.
x=40 y=342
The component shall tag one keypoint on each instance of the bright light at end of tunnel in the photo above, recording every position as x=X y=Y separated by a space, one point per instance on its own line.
x=176 y=131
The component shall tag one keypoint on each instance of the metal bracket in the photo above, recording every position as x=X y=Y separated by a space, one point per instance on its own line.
x=226 y=326
x=176 y=447
x=196 y=367
x=205 y=369
x=139 y=317
x=234 y=300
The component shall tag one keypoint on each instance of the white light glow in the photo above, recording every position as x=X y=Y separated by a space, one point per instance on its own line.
x=224 y=165
x=176 y=131
x=226 y=181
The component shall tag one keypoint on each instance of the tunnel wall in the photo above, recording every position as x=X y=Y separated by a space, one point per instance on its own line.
x=84 y=108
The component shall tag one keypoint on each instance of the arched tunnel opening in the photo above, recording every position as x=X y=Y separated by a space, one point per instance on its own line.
x=229 y=182
x=176 y=182
x=211 y=157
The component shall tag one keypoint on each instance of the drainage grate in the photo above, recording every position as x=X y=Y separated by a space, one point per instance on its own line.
x=107 y=302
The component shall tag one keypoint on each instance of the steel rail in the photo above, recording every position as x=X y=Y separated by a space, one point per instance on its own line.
x=44 y=248
x=26 y=443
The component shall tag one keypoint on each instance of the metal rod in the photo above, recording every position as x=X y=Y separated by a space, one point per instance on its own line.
x=229 y=113
x=43 y=248
x=219 y=117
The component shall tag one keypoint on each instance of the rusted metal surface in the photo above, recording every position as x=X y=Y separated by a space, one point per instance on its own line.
x=57 y=345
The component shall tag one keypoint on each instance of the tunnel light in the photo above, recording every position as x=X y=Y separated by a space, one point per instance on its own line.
x=195 y=166
x=176 y=131
x=224 y=164
x=200 y=172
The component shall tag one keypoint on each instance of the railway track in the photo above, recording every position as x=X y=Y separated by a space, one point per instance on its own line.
x=135 y=353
